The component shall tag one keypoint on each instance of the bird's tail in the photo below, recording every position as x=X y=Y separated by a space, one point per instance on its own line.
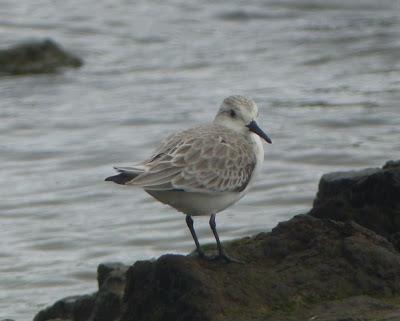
x=126 y=174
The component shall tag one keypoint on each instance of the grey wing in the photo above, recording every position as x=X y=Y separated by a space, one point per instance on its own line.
x=206 y=163
x=219 y=166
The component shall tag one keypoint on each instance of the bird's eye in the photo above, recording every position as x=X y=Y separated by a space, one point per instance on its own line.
x=232 y=112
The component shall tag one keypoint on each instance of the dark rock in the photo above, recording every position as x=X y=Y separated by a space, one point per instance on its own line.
x=77 y=308
x=112 y=277
x=370 y=197
x=317 y=261
x=302 y=265
x=107 y=307
x=324 y=267
x=104 y=305
x=354 y=308
x=36 y=57
x=392 y=164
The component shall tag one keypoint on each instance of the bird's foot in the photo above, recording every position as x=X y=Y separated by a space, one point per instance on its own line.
x=221 y=257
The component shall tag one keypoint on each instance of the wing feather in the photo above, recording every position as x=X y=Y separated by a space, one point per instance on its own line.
x=204 y=159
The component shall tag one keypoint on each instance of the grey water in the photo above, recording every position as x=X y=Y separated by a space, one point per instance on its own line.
x=325 y=75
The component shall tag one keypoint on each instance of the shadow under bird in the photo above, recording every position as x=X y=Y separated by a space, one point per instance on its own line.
x=204 y=169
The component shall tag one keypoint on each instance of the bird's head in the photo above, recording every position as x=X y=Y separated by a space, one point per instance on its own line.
x=239 y=113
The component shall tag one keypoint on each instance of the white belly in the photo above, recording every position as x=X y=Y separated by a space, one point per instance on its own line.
x=197 y=203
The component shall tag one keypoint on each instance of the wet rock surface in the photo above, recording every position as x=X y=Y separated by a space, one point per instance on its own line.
x=370 y=197
x=307 y=268
x=36 y=57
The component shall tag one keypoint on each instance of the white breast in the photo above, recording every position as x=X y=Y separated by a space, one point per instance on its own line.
x=259 y=151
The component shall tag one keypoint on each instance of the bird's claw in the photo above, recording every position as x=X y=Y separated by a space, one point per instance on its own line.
x=223 y=256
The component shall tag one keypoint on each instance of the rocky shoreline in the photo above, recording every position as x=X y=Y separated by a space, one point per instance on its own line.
x=340 y=261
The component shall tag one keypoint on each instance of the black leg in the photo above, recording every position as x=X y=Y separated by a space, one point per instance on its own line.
x=214 y=229
x=189 y=222
x=221 y=252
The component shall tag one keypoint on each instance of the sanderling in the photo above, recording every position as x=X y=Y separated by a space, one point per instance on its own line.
x=205 y=169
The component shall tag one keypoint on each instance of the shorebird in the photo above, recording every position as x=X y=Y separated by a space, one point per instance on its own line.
x=204 y=169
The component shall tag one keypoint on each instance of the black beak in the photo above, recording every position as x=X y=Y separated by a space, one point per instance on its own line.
x=253 y=127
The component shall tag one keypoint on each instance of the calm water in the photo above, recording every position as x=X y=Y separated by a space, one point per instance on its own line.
x=324 y=73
